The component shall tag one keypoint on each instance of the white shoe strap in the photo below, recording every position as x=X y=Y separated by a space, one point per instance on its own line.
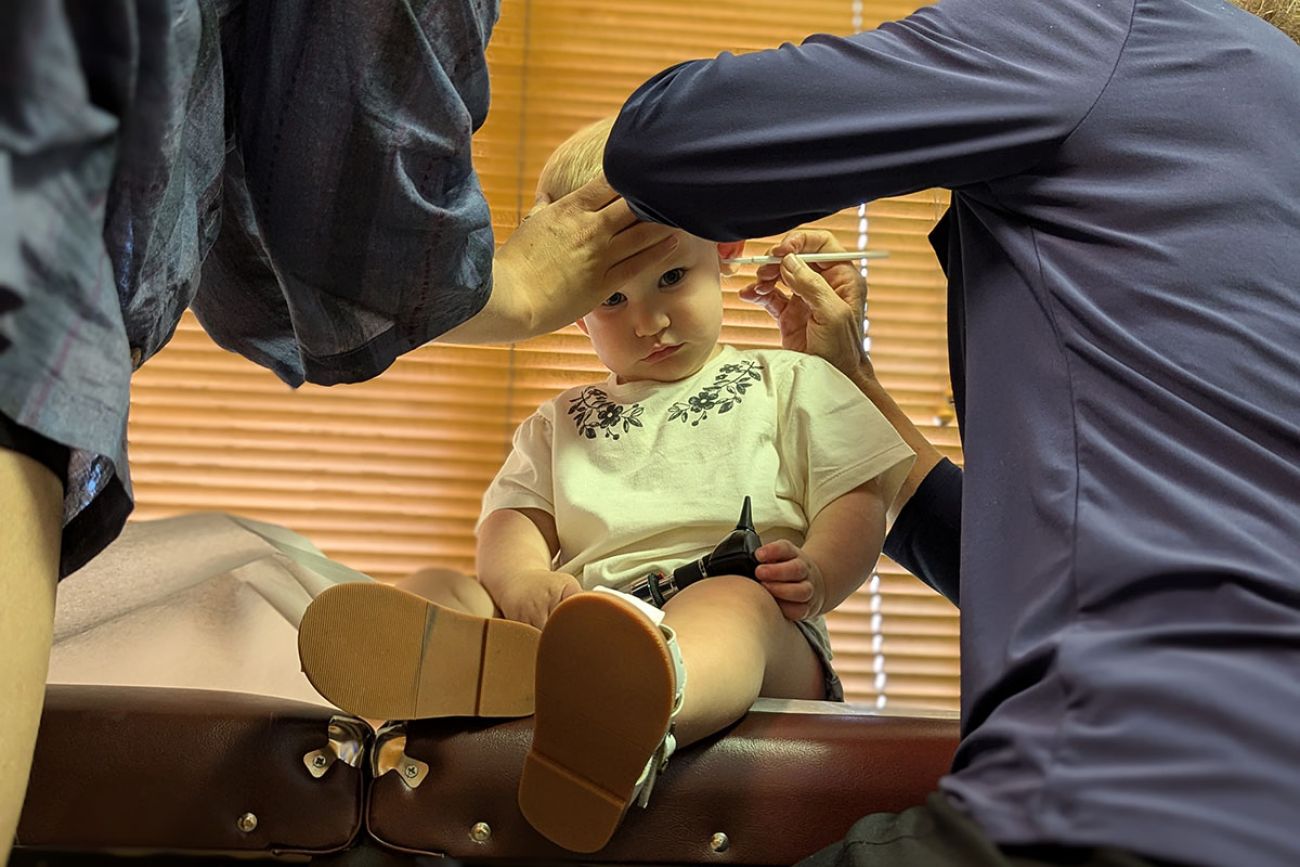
x=658 y=761
x=656 y=616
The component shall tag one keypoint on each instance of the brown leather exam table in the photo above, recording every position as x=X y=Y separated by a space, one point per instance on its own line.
x=170 y=772
x=177 y=729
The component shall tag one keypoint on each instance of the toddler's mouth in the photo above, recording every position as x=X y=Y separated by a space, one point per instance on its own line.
x=662 y=352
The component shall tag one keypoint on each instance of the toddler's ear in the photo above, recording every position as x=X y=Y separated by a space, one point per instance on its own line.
x=582 y=326
x=730 y=250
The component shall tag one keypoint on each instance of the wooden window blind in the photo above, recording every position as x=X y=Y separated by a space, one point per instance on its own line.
x=387 y=475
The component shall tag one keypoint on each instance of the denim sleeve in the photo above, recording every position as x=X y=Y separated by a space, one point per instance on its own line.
x=354 y=225
x=926 y=537
x=958 y=93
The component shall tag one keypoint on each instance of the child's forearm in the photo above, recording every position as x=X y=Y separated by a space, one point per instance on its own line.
x=844 y=540
x=511 y=543
x=516 y=548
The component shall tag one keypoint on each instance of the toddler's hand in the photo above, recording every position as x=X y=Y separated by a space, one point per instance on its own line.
x=533 y=595
x=792 y=578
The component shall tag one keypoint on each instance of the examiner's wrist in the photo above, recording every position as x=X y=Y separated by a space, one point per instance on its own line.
x=864 y=376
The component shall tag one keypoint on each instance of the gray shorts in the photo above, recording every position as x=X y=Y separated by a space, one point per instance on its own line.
x=815 y=632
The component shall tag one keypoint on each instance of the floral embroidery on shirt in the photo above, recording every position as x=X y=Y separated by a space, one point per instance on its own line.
x=727 y=390
x=592 y=411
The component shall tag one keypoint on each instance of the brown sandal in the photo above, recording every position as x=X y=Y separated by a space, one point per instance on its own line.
x=609 y=684
x=382 y=653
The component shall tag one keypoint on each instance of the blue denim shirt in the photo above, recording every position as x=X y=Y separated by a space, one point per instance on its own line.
x=298 y=173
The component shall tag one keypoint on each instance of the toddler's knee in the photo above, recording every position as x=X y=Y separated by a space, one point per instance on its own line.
x=729 y=592
x=435 y=582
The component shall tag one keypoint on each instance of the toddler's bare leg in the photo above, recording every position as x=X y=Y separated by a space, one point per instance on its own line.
x=32 y=502
x=450 y=589
x=605 y=695
x=736 y=647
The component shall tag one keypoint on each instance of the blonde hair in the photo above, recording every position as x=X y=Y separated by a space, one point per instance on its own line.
x=576 y=161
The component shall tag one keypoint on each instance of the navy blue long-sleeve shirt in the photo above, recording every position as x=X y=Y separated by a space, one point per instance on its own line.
x=1123 y=255
x=926 y=536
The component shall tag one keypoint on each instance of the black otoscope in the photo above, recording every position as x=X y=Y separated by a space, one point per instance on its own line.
x=734 y=555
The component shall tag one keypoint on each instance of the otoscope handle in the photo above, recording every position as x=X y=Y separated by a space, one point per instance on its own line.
x=734 y=555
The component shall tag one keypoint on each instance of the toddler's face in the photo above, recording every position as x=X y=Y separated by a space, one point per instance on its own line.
x=665 y=326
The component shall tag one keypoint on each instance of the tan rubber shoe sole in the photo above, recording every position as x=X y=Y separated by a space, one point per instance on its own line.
x=605 y=689
x=382 y=653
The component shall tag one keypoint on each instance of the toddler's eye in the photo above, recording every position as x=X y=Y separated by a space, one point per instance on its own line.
x=672 y=277
x=614 y=300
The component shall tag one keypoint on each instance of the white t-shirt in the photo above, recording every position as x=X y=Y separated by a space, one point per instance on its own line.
x=651 y=475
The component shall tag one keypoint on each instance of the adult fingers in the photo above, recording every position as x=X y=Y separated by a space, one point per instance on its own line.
x=773 y=301
x=657 y=248
x=767 y=274
x=636 y=239
x=818 y=241
x=811 y=287
x=595 y=195
x=541 y=203
x=792 y=242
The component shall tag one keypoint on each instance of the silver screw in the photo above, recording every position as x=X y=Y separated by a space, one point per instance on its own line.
x=412 y=771
x=319 y=761
x=481 y=832
x=719 y=842
x=247 y=823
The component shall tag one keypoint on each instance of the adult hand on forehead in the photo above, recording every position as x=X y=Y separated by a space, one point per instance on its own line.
x=568 y=256
x=823 y=313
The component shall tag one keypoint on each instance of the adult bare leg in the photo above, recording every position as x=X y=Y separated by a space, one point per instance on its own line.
x=32 y=501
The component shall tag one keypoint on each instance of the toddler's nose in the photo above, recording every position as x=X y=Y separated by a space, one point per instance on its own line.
x=650 y=321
